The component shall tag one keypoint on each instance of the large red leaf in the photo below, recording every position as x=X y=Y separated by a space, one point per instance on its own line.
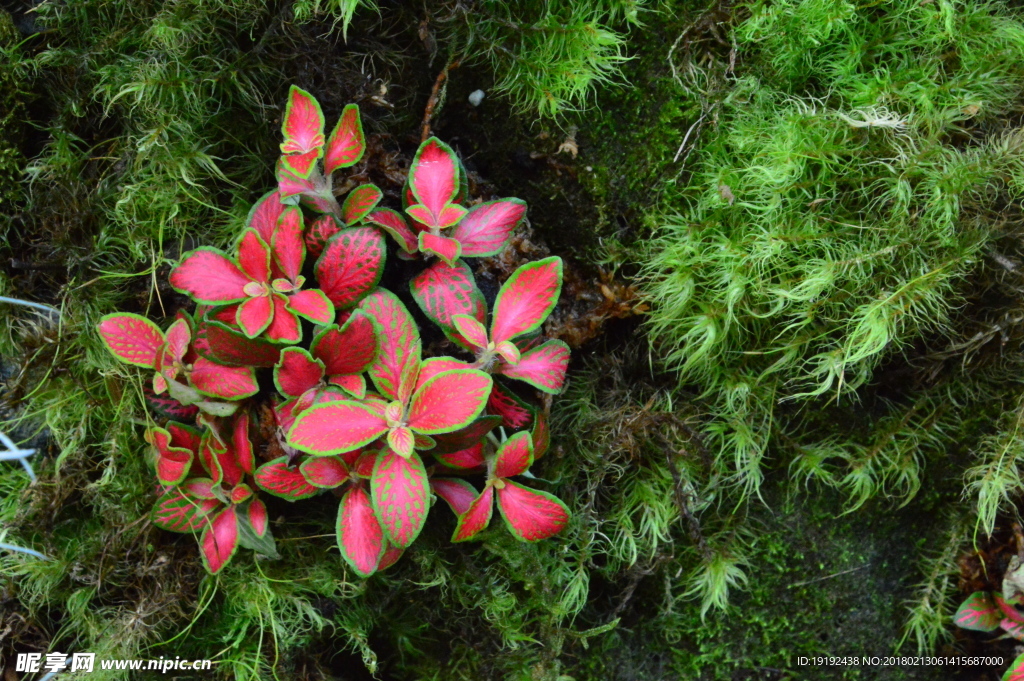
x=288 y=248
x=284 y=327
x=183 y=436
x=510 y=408
x=543 y=367
x=978 y=612
x=457 y=492
x=531 y=515
x=317 y=234
x=359 y=202
x=477 y=517
x=466 y=437
x=348 y=350
x=324 y=471
x=297 y=372
x=254 y=256
x=394 y=224
x=220 y=540
x=220 y=344
x=514 y=456
x=178 y=513
x=449 y=401
x=526 y=299
x=209 y=277
x=336 y=428
x=486 y=228
x=263 y=216
x=443 y=291
x=433 y=176
x=303 y=124
x=229 y=383
x=401 y=496
x=132 y=338
x=346 y=144
x=360 y=536
x=351 y=265
x=399 y=341
x=278 y=479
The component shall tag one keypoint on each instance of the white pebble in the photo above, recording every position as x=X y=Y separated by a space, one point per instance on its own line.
x=475 y=97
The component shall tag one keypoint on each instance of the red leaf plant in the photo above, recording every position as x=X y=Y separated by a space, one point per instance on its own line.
x=988 y=611
x=315 y=328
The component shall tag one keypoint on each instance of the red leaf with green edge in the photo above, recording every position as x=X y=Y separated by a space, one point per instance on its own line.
x=1014 y=629
x=301 y=165
x=1010 y=612
x=179 y=335
x=448 y=250
x=200 y=488
x=466 y=437
x=131 y=338
x=264 y=215
x=1015 y=672
x=286 y=412
x=978 y=613
x=303 y=124
x=531 y=515
x=219 y=541
x=290 y=185
x=433 y=176
x=541 y=435
x=255 y=315
x=448 y=216
x=360 y=536
x=363 y=466
x=422 y=442
x=227 y=383
x=218 y=343
x=443 y=291
x=543 y=367
x=399 y=341
x=297 y=372
x=229 y=465
x=471 y=330
x=240 y=493
x=324 y=471
x=514 y=456
x=359 y=202
x=177 y=513
x=322 y=229
x=476 y=518
x=351 y=265
x=526 y=299
x=346 y=144
x=208 y=276
x=347 y=350
x=168 y=406
x=209 y=459
x=449 y=401
x=401 y=496
x=258 y=518
x=254 y=256
x=464 y=459
x=172 y=465
x=510 y=408
x=401 y=441
x=242 y=444
x=335 y=428
x=184 y=436
x=485 y=229
x=354 y=385
x=312 y=304
x=275 y=477
x=394 y=224
x=458 y=493
x=390 y=557
x=289 y=251
x=436 y=365
x=284 y=327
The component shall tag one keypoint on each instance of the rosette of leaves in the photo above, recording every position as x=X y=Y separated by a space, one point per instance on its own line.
x=419 y=426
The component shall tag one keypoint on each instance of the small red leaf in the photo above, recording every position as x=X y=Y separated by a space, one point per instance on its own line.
x=297 y=372
x=179 y=335
x=449 y=401
x=240 y=493
x=526 y=299
x=508 y=352
x=401 y=496
x=209 y=277
x=220 y=344
x=394 y=224
x=471 y=330
x=477 y=517
x=335 y=428
x=324 y=471
x=132 y=338
x=401 y=441
x=242 y=444
x=359 y=202
x=172 y=465
x=312 y=304
x=505 y=404
x=348 y=350
x=200 y=488
x=390 y=557
x=288 y=248
x=228 y=383
x=543 y=367
x=978 y=612
x=443 y=291
x=254 y=256
x=486 y=228
x=220 y=540
x=464 y=459
x=254 y=315
x=457 y=492
x=541 y=435
x=360 y=536
x=301 y=165
x=278 y=479
x=444 y=248
x=346 y=144
x=351 y=265
x=183 y=436
x=284 y=327
x=514 y=456
x=178 y=513
x=433 y=176
x=303 y=124
x=257 y=513
x=399 y=341
x=531 y=515
x=322 y=229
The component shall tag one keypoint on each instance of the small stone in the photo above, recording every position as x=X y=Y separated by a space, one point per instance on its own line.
x=475 y=97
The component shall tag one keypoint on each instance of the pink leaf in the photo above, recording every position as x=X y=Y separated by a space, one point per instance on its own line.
x=457 y=492
x=360 y=536
x=477 y=517
x=255 y=315
x=433 y=177
x=322 y=229
x=303 y=124
x=240 y=493
x=526 y=299
x=301 y=165
x=390 y=557
x=263 y=216
x=297 y=372
x=395 y=225
x=449 y=401
x=178 y=513
x=324 y=471
x=336 y=428
x=434 y=366
x=172 y=465
x=543 y=367
x=348 y=350
x=505 y=404
x=401 y=441
x=183 y=436
x=201 y=488
x=242 y=444
x=179 y=335
x=284 y=327
x=444 y=248
x=399 y=341
x=531 y=515
x=443 y=291
x=278 y=479
x=132 y=338
x=514 y=456
x=228 y=383
x=508 y=351
x=257 y=513
x=288 y=248
x=254 y=256
x=486 y=228
x=360 y=202
x=401 y=496
x=978 y=612
x=346 y=144
x=351 y=265
x=465 y=459
x=448 y=216
x=471 y=330
x=1010 y=612
x=209 y=277
x=220 y=540
x=220 y=344
x=312 y=304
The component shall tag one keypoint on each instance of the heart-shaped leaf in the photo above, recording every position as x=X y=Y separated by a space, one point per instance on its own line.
x=449 y=401
x=132 y=338
x=303 y=124
x=335 y=428
x=347 y=350
x=346 y=144
x=543 y=367
x=359 y=202
x=485 y=229
x=351 y=265
x=531 y=515
x=278 y=479
x=526 y=299
x=978 y=612
x=360 y=536
x=401 y=496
